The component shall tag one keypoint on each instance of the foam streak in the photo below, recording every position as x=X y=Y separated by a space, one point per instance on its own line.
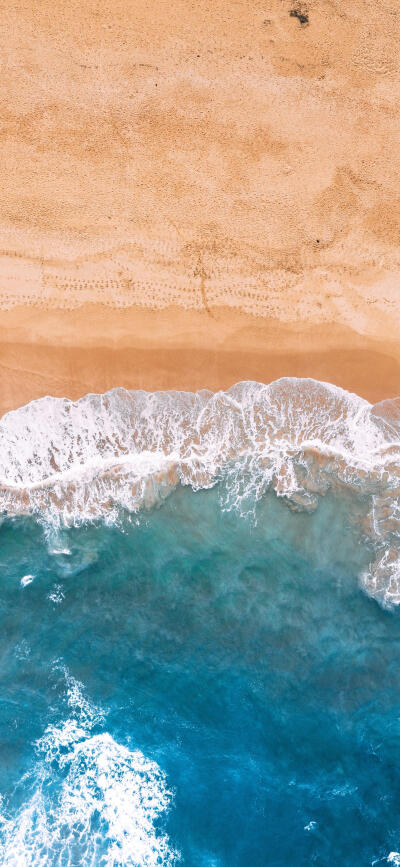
x=69 y=462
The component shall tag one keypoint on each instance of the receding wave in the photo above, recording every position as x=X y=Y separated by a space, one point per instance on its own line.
x=70 y=462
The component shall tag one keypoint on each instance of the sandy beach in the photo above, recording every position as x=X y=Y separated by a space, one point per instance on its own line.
x=196 y=195
x=93 y=348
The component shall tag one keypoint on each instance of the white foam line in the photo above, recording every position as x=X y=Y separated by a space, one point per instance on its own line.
x=69 y=461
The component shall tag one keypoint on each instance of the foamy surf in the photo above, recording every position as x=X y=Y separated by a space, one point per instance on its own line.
x=70 y=462
x=93 y=801
x=223 y=689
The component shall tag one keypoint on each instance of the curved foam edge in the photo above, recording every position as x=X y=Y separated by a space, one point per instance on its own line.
x=69 y=462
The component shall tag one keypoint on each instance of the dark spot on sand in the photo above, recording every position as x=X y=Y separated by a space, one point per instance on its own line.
x=300 y=13
x=317 y=240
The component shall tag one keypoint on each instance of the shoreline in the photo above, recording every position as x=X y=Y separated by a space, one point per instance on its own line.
x=69 y=353
x=197 y=198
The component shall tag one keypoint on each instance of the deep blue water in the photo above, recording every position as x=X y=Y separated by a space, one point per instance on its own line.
x=192 y=685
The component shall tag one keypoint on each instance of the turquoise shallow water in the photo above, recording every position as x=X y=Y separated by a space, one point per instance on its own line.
x=193 y=687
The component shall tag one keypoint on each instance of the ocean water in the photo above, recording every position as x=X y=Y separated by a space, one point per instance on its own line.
x=200 y=639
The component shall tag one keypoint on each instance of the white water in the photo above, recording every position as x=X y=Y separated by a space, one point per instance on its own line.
x=93 y=800
x=69 y=462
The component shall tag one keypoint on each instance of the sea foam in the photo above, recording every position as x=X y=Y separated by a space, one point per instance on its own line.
x=92 y=801
x=69 y=462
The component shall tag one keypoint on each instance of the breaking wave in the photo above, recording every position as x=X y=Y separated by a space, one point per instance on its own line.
x=69 y=462
x=92 y=801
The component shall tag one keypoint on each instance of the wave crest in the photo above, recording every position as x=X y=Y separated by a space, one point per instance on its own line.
x=75 y=461
x=93 y=801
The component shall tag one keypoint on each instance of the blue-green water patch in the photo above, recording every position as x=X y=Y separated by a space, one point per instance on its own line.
x=194 y=687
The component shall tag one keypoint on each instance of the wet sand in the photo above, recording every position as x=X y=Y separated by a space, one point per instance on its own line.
x=92 y=349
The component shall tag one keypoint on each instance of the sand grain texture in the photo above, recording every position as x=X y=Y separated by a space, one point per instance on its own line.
x=232 y=167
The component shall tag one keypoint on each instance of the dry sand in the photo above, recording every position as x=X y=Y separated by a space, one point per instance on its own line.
x=193 y=194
